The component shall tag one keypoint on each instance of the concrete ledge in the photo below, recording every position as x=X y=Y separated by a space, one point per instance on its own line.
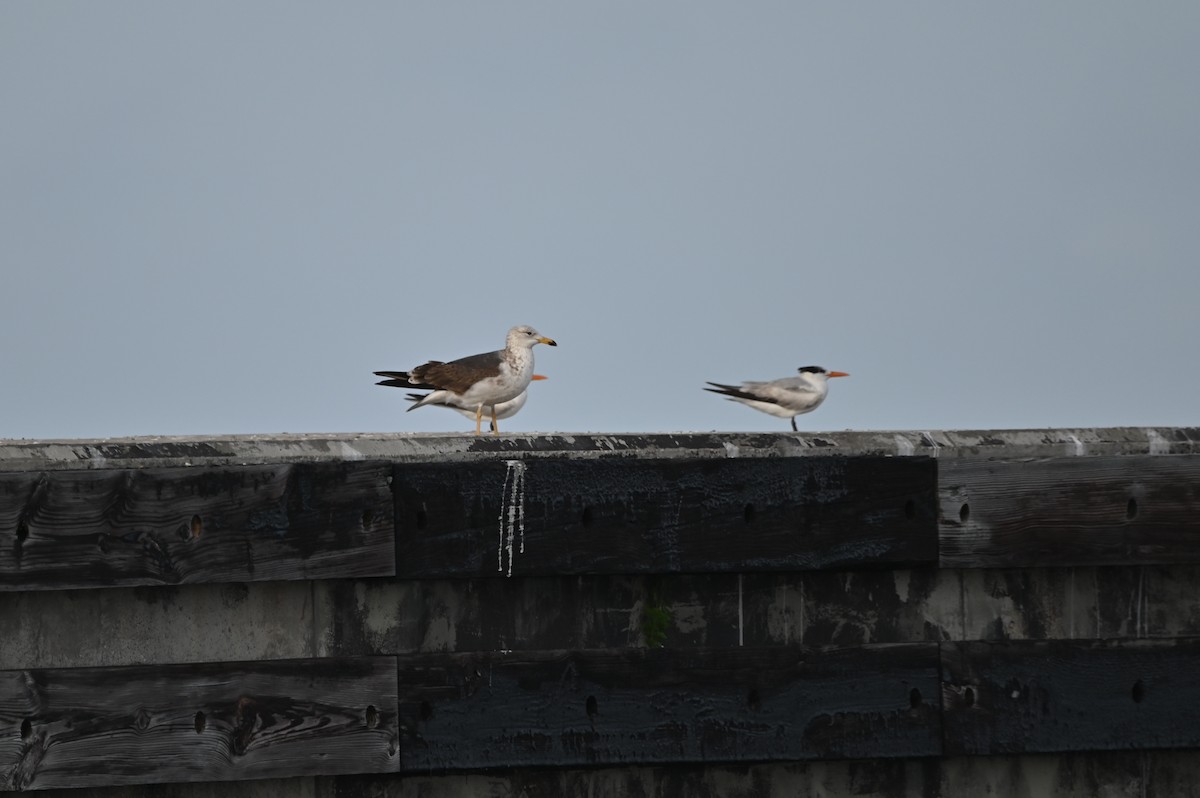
x=158 y=451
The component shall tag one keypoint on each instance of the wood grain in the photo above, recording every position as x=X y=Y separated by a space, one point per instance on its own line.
x=70 y=529
x=665 y=516
x=91 y=727
x=1068 y=695
x=607 y=707
x=1133 y=510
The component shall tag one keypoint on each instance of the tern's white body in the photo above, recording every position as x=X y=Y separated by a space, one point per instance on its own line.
x=498 y=411
x=503 y=409
x=783 y=398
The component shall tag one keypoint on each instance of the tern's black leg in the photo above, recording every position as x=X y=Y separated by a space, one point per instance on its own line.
x=794 y=424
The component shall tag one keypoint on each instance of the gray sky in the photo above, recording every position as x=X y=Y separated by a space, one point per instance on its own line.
x=221 y=217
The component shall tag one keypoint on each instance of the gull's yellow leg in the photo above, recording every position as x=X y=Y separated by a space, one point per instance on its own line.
x=478 y=419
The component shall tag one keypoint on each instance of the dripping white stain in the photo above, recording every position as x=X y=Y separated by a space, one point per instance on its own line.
x=512 y=514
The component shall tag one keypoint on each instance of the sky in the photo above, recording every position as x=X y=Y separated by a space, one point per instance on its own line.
x=222 y=217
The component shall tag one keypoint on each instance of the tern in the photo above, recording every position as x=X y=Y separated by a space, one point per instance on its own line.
x=478 y=381
x=503 y=409
x=785 y=398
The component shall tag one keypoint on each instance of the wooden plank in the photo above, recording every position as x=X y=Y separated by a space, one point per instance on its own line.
x=816 y=608
x=91 y=727
x=70 y=529
x=860 y=778
x=637 y=705
x=1134 y=510
x=666 y=516
x=1070 y=695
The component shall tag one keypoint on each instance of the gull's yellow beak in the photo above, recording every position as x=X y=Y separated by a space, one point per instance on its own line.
x=549 y=341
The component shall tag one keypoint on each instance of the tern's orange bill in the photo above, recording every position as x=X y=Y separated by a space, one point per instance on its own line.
x=837 y=374
x=539 y=377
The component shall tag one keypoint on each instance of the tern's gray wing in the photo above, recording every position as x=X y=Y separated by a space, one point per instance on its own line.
x=747 y=391
x=780 y=391
x=788 y=387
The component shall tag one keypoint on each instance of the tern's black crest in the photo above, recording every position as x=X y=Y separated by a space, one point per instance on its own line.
x=811 y=370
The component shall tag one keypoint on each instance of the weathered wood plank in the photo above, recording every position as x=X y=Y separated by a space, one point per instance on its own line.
x=91 y=727
x=606 y=707
x=69 y=529
x=668 y=516
x=860 y=778
x=681 y=611
x=1133 y=510
x=1068 y=695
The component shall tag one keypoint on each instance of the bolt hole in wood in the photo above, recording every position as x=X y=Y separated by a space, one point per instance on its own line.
x=368 y=518
x=372 y=716
x=426 y=710
x=964 y=513
x=910 y=509
x=969 y=697
x=591 y=706
x=586 y=518
x=200 y=722
x=748 y=513
x=1131 y=510
x=1138 y=692
x=197 y=527
x=914 y=698
x=754 y=700
x=26 y=729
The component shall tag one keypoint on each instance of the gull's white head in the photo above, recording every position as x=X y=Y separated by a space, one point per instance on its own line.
x=527 y=337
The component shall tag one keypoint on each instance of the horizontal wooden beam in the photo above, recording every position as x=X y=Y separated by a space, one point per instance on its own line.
x=1070 y=695
x=564 y=516
x=639 y=705
x=73 y=529
x=92 y=727
x=523 y=517
x=1131 y=510
x=1111 y=774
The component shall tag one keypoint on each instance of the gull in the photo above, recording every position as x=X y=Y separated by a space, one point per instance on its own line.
x=478 y=381
x=787 y=397
x=502 y=410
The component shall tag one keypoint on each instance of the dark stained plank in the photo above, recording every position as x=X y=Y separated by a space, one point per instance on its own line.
x=1135 y=510
x=860 y=778
x=517 y=517
x=636 y=705
x=70 y=529
x=92 y=727
x=1068 y=695
x=679 y=611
